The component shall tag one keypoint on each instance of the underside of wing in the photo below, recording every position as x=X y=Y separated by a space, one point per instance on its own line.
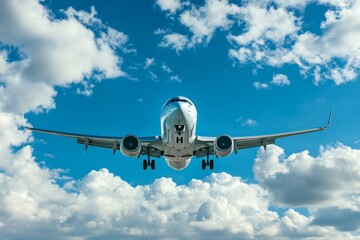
x=204 y=146
x=264 y=140
x=151 y=146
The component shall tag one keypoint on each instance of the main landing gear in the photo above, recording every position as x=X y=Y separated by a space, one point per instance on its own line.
x=207 y=162
x=149 y=162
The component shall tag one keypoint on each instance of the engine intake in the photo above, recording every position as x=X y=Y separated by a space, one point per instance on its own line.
x=223 y=145
x=130 y=146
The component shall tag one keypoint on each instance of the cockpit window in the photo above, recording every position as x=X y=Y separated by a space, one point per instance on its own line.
x=177 y=99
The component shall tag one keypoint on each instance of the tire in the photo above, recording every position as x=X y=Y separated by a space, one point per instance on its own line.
x=203 y=164
x=152 y=164
x=211 y=164
x=145 y=165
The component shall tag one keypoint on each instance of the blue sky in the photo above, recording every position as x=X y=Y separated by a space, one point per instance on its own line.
x=249 y=67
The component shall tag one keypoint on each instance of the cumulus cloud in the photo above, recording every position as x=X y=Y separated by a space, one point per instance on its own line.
x=202 y=22
x=175 y=41
x=271 y=32
x=341 y=219
x=294 y=225
x=329 y=179
x=259 y=85
x=265 y=25
x=52 y=52
x=315 y=54
x=327 y=185
x=205 y=20
x=103 y=205
x=169 y=5
x=280 y=80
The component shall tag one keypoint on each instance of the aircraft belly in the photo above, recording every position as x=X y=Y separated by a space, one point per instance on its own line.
x=178 y=163
x=178 y=158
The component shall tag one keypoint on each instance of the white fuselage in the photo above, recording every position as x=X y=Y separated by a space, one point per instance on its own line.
x=178 y=125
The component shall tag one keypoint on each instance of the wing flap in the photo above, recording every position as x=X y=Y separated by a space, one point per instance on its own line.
x=253 y=143
x=99 y=143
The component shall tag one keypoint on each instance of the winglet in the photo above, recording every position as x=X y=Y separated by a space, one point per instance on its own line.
x=23 y=120
x=329 y=122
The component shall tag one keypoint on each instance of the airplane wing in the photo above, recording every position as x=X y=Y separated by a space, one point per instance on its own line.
x=149 y=145
x=205 y=145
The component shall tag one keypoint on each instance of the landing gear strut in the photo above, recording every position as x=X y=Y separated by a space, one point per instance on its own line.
x=149 y=162
x=207 y=162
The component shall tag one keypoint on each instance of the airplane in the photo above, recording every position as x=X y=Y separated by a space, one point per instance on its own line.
x=178 y=142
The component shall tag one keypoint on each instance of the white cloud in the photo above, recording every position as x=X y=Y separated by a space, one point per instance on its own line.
x=175 y=41
x=165 y=68
x=331 y=55
x=175 y=78
x=294 y=225
x=259 y=85
x=169 y=5
x=249 y=122
x=205 y=20
x=153 y=76
x=103 y=203
x=49 y=155
x=149 y=62
x=272 y=33
x=87 y=89
x=330 y=179
x=53 y=52
x=341 y=219
x=202 y=22
x=3 y=62
x=280 y=80
x=265 y=24
x=267 y=30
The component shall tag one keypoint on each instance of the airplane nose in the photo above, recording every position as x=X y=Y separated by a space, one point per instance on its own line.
x=178 y=114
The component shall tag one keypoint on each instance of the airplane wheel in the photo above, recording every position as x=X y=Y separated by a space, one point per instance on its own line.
x=211 y=164
x=152 y=165
x=145 y=164
x=203 y=164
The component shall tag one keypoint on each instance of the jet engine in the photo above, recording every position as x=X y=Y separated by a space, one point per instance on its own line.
x=223 y=145
x=130 y=146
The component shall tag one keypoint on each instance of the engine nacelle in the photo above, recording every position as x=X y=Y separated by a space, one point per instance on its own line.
x=130 y=146
x=223 y=145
